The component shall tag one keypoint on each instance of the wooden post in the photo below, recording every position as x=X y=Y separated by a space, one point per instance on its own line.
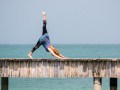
x=113 y=83
x=4 y=83
x=97 y=83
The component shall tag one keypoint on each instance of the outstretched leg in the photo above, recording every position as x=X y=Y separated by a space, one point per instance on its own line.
x=34 y=48
x=44 y=27
x=44 y=31
x=44 y=23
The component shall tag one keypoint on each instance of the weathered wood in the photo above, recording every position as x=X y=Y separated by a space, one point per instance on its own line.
x=113 y=83
x=4 y=83
x=60 y=68
x=97 y=83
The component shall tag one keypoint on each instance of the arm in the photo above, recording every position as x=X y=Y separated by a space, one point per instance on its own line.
x=63 y=56
x=53 y=54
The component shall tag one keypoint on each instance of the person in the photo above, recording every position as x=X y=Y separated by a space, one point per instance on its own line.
x=45 y=41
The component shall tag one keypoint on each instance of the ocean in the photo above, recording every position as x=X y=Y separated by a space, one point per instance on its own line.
x=71 y=51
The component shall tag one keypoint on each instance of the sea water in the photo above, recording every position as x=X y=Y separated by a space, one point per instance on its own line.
x=71 y=51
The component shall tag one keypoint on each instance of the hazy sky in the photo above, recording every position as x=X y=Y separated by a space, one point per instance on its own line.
x=69 y=21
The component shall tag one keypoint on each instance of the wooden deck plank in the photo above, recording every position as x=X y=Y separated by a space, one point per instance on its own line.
x=109 y=67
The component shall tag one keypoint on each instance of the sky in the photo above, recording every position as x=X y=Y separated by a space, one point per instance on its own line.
x=68 y=21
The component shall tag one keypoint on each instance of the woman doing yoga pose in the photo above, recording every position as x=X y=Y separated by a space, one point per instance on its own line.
x=45 y=41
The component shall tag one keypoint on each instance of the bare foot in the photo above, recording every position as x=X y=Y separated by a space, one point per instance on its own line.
x=44 y=15
x=30 y=55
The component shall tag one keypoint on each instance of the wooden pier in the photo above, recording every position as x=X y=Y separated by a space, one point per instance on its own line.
x=95 y=68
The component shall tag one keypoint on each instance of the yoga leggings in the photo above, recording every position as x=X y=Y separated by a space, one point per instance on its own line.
x=44 y=27
x=44 y=32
